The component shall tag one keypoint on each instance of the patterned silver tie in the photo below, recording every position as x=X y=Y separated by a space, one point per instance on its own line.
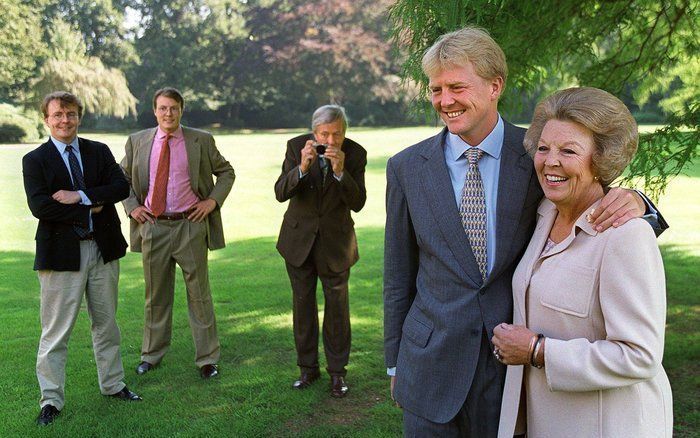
x=473 y=209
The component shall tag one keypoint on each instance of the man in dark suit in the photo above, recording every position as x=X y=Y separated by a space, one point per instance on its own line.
x=461 y=208
x=72 y=185
x=317 y=238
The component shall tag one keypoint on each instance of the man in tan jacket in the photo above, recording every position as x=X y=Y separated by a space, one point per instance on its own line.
x=174 y=208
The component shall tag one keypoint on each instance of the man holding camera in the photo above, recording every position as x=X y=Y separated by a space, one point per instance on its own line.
x=323 y=177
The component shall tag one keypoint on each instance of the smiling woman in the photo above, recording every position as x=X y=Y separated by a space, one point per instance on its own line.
x=589 y=307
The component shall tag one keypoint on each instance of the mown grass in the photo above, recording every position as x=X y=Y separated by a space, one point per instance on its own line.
x=252 y=396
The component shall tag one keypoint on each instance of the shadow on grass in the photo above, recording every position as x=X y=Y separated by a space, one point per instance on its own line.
x=682 y=346
x=252 y=396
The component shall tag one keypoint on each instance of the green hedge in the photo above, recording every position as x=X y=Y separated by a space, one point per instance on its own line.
x=18 y=125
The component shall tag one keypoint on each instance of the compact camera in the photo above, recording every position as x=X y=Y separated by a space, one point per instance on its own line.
x=321 y=149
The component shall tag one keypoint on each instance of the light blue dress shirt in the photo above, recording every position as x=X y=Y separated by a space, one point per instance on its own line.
x=61 y=147
x=489 y=166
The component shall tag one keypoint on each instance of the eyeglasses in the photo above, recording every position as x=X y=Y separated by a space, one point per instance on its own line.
x=57 y=117
x=168 y=109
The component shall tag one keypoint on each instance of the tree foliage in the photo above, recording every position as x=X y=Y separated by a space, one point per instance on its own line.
x=100 y=24
x=21 y=48
x=649 y=46
x=249 y=59
x=103 y=90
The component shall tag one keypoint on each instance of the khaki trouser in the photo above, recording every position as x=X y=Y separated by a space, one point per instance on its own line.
x=61 y=295
x=166 y=243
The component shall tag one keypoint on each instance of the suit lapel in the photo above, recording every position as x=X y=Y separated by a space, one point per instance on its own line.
x=436 y=182
x=89 y=160
x=546 y=214
x=514 y=177
x=58 y=166
x=194 y=155
x=145 y=146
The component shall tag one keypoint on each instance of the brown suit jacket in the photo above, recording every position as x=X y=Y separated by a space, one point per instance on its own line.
x=204 y=161
x=318 y=210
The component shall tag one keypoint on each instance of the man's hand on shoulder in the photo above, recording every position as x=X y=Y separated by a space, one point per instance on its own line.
x=201 y=210
x=308 y=156
x=67 y=197
x=616 y=208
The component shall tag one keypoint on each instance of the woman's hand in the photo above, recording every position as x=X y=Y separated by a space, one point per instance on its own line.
x=512 y=343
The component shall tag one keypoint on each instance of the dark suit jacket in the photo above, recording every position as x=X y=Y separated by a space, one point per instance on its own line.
x=435 y=304
x=57 y=244
x=315 y=209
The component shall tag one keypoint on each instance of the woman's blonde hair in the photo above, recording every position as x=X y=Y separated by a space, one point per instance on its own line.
x=614 y=129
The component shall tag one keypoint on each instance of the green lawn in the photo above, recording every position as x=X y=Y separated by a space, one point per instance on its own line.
x=253 y=396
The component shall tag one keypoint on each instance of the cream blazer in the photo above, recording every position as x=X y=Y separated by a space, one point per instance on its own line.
x=600 y=299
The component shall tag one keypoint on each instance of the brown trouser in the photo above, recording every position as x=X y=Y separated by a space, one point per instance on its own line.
x=61 y=295
x=336 y=314
x=166 y=243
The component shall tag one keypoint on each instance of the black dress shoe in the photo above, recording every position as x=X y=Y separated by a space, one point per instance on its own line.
x=208 y=371
x=127 y=395
x=144 y=367
x=306 y=379
x=47 y=415
x=339 y=388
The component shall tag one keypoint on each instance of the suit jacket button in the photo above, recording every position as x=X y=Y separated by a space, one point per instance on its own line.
x=482 y=291
x=475 y=332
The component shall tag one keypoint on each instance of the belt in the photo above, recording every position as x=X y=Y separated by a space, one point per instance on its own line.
x=88 y=236
x=174 y=216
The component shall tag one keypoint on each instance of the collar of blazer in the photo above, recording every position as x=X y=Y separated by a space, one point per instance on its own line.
x=546 y=214
x=87 y=158
x=192 y=147
x=514 y=178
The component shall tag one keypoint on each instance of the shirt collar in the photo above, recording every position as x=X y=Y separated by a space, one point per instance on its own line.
x=547 y=207
x=62 y=146
x=160 y=134
x=492 y=144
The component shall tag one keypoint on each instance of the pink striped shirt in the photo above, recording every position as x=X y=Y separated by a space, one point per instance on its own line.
x=180 y=196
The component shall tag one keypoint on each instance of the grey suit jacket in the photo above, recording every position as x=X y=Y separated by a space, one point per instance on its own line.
x=435 y=304
x=204 y=161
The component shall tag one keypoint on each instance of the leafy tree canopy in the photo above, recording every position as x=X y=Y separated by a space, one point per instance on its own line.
x=21 y=48
x=646 y=45
x=103 y=90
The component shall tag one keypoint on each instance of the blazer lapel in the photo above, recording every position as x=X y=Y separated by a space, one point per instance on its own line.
x=546 y=213
x=194 y=155
x=145 y=146
x=58 y=166
x=436 y=182
x=580 y=224
x=514 y=176
x=89 y=160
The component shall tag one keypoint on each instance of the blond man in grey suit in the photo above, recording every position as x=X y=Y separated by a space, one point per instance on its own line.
x=174 y=207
